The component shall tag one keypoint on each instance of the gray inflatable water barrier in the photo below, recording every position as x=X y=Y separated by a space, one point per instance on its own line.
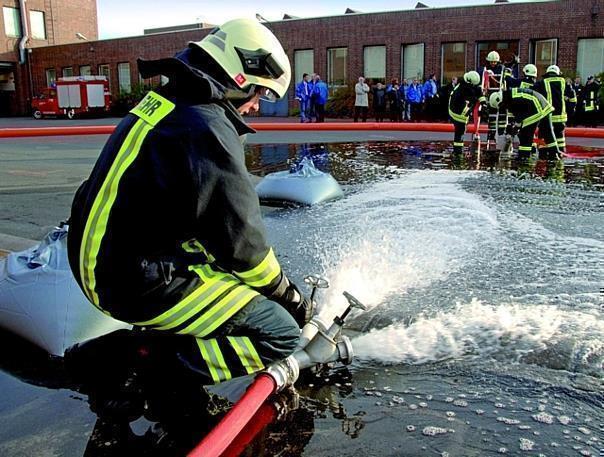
x=41 y=301
x=308 y=186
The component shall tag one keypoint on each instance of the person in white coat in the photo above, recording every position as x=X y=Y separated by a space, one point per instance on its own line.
x=361 y=103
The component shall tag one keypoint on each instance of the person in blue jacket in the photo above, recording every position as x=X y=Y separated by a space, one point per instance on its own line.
x=303 y=94
x=415 y=99
x=321 y=94
x=405 y=108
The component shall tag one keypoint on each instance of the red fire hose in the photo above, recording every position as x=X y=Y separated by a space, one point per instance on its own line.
x=575 y=132
x=231 y=425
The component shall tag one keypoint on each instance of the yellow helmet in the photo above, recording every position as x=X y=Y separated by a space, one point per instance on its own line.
x=530 y=70
x=493 y=56
x=553 y=69
x=250 y=55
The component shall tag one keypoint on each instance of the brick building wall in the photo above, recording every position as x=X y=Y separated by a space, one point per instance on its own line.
x=565 y=20
x=63 y=19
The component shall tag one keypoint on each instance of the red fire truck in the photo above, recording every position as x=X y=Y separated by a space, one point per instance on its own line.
x=73 y=96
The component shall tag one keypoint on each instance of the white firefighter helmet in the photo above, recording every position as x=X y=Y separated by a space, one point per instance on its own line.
x=472 y=77
x=493 y=56
x=553 y=69
x=530 y=70
x=495 y=99
x=250 y=55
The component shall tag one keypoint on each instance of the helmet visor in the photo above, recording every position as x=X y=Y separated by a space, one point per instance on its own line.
x=242 y=95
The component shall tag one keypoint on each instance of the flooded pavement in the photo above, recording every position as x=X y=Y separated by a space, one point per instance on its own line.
x=485 y=329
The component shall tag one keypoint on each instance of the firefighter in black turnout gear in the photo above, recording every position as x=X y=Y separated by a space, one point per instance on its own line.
x=527 y=82
x=554 y=88
x=590 y=101
x=530 y=109
x=499 y=75
x=166 y=233
x=462 y=100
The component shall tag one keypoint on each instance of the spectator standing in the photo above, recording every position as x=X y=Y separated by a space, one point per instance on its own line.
x=414 y=99
x=321 y=94
x=361 y=103
x=405 y=107
x=379 y=101
x=393 y=97
x=303 y=93
x=430 y=93
x=311 y=102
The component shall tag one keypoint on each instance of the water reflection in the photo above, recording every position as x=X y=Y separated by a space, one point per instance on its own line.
x=352 y=163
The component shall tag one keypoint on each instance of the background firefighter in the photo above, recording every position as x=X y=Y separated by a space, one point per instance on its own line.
x=554 y=88
x=530 y=109
x=167 y=234
x=461 y=103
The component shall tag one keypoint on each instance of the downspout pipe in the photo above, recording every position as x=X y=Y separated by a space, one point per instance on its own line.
x=25 y=27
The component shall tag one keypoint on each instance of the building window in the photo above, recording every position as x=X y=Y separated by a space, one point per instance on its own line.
x=590 y=57
x=85 y=70
x=51 y=77
x=506 y=49
x=123 y=76
x=67 y=72
x=38 y=25
x=453 y=61
x=374 y=63
x=12 y=22
x=104 y=70
x=543 y=54
x=304 y=62
x=412 y=61
x=337 y=64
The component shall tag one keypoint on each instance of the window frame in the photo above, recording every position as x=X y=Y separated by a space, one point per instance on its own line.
x=442 y=79
x=119 y=78
x=330 y=82
x=298 y=77
x=16 y=20
x=375 y=79
x=403 y=46
x=32 y=14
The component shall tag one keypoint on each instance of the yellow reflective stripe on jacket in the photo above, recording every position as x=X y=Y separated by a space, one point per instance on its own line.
x=212 y=355
x=153 y=108
x=194 y=246
x=540 y=113
x=263 y=273
x=96 y=225
x=526 y=85
x=247 y=353
x=458 y=117
x=548 y=89
x=214 y=285
x=220 y=312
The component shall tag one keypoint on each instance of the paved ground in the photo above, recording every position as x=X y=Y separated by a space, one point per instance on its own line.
x=38 y=176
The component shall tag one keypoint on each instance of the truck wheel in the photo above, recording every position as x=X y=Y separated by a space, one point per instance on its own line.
x=70 y=114
x=37 y=114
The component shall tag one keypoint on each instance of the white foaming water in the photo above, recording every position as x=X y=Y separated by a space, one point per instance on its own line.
x=403 y=233
x=575 y=339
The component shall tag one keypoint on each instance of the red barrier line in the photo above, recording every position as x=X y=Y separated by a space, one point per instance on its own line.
x=571 y=132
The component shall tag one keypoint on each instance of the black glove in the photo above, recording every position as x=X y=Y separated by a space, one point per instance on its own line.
x=484 y=113
x=289 y=296
x=512 y=129
x=298 y=305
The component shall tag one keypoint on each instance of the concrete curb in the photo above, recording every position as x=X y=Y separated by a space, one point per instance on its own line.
x=14 y=243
